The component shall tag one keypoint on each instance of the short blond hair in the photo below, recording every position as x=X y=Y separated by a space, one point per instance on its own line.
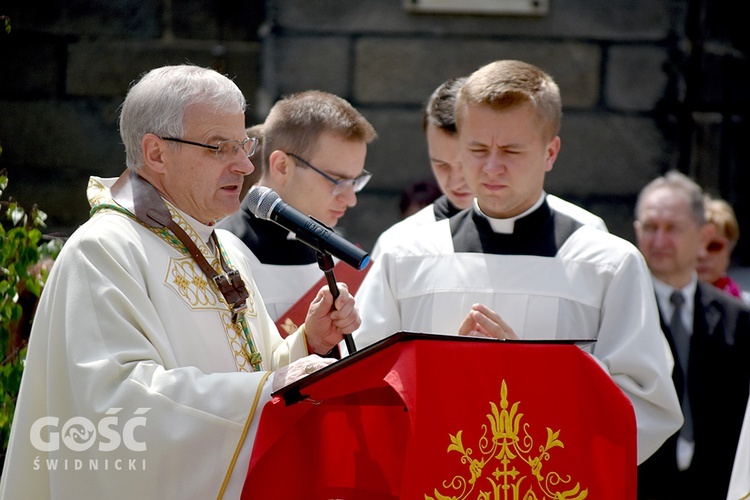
x=721 y=215
x=505 y=84
x=296 y=122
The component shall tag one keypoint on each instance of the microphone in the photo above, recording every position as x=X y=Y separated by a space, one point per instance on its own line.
x=266 y=204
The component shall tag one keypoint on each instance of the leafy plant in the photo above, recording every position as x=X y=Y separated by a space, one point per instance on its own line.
x=25 y=258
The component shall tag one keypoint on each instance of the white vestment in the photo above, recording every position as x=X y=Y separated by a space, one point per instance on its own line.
x=739 y=484
x=576 y=212
x=282 y=285
x=427 y=215
x=137 y=383
x=594 y=286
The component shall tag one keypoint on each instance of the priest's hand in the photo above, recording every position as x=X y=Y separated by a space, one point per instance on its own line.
x=484 y=322
x=299 y=369
x=325 y=325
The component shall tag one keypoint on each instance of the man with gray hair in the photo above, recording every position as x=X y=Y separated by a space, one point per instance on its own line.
x=151 y=352
x=709 y=335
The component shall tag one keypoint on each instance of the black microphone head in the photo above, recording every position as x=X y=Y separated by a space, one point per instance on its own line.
x=261 y=200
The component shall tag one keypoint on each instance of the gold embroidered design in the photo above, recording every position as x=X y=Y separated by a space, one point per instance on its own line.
x=289 y=326
x=185 y=277
x=251 y=310
x=517 y=466
x=237 y=342
x=96 y=192
x=190 y=283
x=240 y=320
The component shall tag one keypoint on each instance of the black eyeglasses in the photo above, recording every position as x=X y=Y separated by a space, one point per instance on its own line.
x=224 y=149
x=340 y=185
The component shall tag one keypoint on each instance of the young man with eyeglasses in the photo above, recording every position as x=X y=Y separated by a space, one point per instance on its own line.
x=313 y=156
x=151 y=354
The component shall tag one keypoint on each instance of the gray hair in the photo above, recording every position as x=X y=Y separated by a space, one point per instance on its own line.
x=156 y=104
x=677 y=181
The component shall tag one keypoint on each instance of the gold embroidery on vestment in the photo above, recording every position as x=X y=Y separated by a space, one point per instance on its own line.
x=190 y=283
x=237 y=342
x=186 y=278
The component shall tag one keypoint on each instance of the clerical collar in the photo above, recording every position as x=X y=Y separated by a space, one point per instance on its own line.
x=203 y=230
x=506 y=226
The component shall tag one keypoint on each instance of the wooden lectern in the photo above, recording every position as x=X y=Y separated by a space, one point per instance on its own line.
x=422 y=416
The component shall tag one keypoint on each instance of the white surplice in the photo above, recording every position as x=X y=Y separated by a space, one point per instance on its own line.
x=427 y=215
x=594 y=286
x=739 y=484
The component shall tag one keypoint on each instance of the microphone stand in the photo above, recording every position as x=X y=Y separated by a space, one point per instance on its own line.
x=325 y=263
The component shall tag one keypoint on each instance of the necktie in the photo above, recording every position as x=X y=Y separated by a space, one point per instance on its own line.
x=681 y=339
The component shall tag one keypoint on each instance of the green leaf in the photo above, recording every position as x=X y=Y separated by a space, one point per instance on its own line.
x=22 y=247
x=51 y=249
x=39 y=217
x=34 y=286
x=16 y=214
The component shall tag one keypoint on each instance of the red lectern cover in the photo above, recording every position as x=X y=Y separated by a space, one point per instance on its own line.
x=420 y=416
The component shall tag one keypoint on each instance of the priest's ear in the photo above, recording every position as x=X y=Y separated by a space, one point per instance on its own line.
x=156 y=152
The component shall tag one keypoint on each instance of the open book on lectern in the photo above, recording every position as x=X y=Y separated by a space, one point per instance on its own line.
x=292 y=393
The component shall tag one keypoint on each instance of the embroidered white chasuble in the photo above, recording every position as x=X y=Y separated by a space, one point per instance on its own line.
x=137 y=369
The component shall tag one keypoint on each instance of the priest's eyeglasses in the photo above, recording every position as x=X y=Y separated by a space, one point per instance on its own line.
x=340 y=185
x=224 y=149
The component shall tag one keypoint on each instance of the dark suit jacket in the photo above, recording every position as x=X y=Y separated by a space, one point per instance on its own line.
x=718 y=384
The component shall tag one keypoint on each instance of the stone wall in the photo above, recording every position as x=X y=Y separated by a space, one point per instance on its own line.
x=647 y=85
x=65 y=68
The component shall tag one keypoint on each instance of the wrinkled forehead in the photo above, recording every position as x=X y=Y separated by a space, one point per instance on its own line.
x=206 y=119
x=665 y=216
